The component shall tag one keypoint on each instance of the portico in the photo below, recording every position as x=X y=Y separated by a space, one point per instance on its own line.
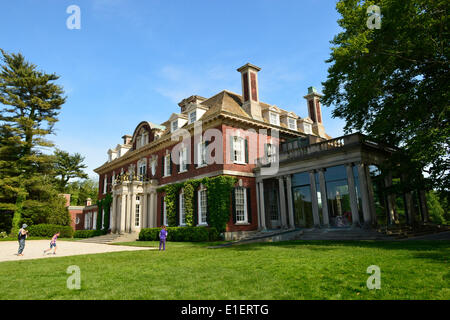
x=332 y=184
x=133 y=206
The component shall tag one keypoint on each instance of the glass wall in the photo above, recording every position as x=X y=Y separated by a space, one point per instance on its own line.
x=339 y=209
x=379 y=196
x=301 y=191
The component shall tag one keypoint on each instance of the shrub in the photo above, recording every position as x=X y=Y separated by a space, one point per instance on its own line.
x=3 y=235
x=181 y=234
x=48 y=230
x=88 y=233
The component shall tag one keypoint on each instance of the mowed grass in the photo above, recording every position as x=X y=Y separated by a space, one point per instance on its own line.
x=286 y=270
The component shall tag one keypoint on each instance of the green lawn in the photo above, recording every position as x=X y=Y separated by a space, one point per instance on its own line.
x=286 y=270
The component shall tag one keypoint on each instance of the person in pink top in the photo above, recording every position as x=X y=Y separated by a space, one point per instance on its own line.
x=53 y=243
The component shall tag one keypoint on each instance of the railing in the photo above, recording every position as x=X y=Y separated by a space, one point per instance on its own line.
x=298 y=149
x=127 y=177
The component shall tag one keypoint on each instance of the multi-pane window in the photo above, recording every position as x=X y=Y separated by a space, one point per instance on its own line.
x=270 y=152
x=201 y=154
x=167 y=165
x=183 y=159
x=241 y=205
x=192 y=116
x=274 y=118
x=202 y=206
x=308 y=129
x=174 y=125
x=182 y=210
x=292 y=124
x=165 y=213
x=238 y=149
x=143 y=169
x=137 y=212
x=105 y=184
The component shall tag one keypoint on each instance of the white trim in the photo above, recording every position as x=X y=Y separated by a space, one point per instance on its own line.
x=199 y=206
x=245 y=221
x=182 y=210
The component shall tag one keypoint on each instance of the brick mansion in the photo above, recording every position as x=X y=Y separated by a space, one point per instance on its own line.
x=290 y=174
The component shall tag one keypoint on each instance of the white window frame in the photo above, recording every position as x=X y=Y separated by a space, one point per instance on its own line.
x=105 y=184
x=190 y=116
x=308 y=128
x=182 y=210
x=292 y=123
x=166 y=165
x=183 y=160
x=238 y=150
x=165 y=213
x=245 y=220
x=153 y=167
x=174 y=126
x=200 y=210
x=274 y=118
x=201 y=154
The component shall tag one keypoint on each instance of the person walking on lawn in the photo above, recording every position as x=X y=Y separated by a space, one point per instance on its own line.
x=162 y=238
x=53 y=243
x=22 y=237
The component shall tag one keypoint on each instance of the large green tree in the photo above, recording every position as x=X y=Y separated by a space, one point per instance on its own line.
x=30 y=103
x=68 y=166
x=393 y=83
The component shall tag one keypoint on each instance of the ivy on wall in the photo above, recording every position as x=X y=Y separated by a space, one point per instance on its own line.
x=218 y=199
x=104 y=204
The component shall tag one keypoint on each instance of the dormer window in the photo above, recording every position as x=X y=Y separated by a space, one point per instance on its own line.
x=274 y=118
x=174 y=125
x=292 y=123
x=192 y=117
x=308 y=128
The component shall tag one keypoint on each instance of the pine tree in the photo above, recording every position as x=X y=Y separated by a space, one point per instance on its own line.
x=30 y=106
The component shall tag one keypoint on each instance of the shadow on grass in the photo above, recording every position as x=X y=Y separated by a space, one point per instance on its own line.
x=438 y=251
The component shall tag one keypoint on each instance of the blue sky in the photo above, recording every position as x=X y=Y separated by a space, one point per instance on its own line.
x=134 y=60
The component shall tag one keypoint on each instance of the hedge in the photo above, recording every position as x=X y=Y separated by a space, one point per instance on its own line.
x=48 y=230
x=192 y=234
x=88 y=233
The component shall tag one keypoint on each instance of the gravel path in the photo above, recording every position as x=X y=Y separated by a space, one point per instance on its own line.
x=34 y=249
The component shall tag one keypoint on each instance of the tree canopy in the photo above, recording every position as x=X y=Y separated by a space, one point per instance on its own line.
x=393 y=83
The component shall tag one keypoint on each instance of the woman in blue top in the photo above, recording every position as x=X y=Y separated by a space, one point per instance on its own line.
x=162 y=238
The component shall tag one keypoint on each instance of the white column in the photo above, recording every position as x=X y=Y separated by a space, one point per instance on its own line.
x=290 y=202
x=364 y=195
x=373 y=212
x=352 y=193
x=144 y=222
x=323 y=196
x=123 y=212
x=390 y=199
x=282 y=202
x=263 y=211
x=152 y=211
x=112 y=214
x=258 y=206
x=315 y=204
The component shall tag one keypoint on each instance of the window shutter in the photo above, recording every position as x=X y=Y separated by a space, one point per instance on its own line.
x=179 y=161
x=233 y=204
x=249 y=206
x=231 y=149
x=170 y=164
x=246 y=150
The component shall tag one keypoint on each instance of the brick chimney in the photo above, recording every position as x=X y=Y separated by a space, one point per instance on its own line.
x=315 y=111
x=250 y=92
x=127 y=139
